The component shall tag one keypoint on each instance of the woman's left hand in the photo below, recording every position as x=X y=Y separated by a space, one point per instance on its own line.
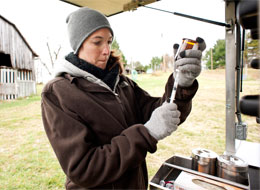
x=189 y=64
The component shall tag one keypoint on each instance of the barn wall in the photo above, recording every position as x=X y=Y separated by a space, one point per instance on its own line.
x=17 y=79
x=12 y=43
x=16 y=83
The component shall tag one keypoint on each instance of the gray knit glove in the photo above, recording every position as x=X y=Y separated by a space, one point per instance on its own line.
x=164 y=121
x=189 y=64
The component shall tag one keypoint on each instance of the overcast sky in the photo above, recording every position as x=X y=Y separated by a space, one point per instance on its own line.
x=141 y=34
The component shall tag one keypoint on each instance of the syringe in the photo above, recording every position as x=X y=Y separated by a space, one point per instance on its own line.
x=186 y=44
x=175 y=85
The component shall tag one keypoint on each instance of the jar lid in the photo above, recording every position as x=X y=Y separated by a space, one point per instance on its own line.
x=232 y=163
x=204 y=154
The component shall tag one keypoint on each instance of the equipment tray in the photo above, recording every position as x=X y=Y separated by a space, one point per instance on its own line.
x=174 y=166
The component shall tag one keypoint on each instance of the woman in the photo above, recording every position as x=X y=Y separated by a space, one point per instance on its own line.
x=100 y=123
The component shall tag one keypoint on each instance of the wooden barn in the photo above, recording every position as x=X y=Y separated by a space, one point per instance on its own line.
x=17 y=74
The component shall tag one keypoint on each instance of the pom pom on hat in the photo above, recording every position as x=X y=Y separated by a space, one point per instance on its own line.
x=82 y=23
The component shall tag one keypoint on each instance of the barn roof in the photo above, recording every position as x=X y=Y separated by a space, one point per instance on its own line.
x=13 y=43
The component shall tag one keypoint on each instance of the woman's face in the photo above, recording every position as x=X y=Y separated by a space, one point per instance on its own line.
x=96 y=48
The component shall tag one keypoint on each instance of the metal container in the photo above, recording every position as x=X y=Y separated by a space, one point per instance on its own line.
x=204 y=160
x=232 y=168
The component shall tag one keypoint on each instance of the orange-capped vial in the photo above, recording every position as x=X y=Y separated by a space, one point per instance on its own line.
x=189 y=44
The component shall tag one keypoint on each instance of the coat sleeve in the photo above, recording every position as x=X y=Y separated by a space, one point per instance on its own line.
x=84 y=162
x=183 y=99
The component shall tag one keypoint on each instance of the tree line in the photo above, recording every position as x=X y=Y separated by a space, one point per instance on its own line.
x=213 y=58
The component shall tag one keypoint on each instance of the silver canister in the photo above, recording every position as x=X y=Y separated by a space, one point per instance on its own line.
x=204 y=160
x=232 y=168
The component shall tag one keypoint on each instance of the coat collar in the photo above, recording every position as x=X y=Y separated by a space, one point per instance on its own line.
x=74 y=73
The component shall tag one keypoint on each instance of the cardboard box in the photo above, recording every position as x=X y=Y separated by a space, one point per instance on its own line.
x=188 y=181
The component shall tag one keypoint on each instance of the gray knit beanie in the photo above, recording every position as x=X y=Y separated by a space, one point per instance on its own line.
x=82 y=23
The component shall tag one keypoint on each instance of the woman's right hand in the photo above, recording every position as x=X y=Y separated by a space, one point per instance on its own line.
x=164 y=120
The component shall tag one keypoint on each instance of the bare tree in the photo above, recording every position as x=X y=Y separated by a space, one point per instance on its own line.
x=56 y=54
x=45 y=66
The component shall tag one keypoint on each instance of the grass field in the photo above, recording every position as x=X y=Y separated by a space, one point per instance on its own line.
x=28 y=162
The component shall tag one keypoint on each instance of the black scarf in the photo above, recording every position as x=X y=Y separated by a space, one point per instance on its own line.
x=107 y=76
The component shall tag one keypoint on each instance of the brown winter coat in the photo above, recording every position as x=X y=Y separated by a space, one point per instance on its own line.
x=98 y=136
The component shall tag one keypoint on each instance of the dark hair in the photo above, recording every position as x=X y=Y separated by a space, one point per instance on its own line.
x=113 y=61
